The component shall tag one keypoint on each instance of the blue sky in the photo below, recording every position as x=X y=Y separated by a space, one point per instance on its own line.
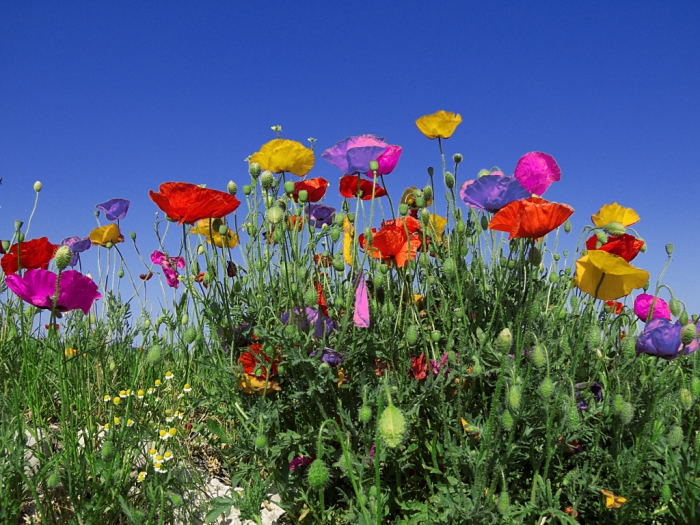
x=102 y=100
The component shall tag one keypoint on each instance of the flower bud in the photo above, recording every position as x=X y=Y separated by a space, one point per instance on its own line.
x=109 y=245
x=37 y=186
x=503 y=503
x=392 y=426
x=289 y=187
x=379 y=279
x=546 y=388
x=318 y=475
x=683 y=318
x=669 y=248
x=646 y=286
x=107 y=451
x=310 y=296
x=20 y=237
x=63 y=257
x=428 y=192
x=449 y=267
x=425 y=216
x=554 y=278
x=200 y=250
x=351 y=217
x=602 y=238
x=504 y=341
x=338 y=263
x=373 y=165
x=267 y=179
x=484 y=222
x=617 y=404
x=572 y=416
x=431 y=171
x=535 y=256
x=335 y=233
x=435 y=336
x=507 y=420
x=457 y=158
x=54 y=479
x=303 y=196
x=675 y=436
x=231 y=187
x=688 y=333
x=403 y=208
x=594 y=335
x=686 y=398
x=190 y=334
x=666 y=493
x=626 y=413
x=120 y=273
x=260 y=441
x=695 y=386
x=628 y=346
x=153 y=355
x=254 y=169
x=538 y=356
x=643 y=249
x=483 y=173
x=365 y=414
x=567 y=227
x=247 y=189
x=275 y=215
x=514 y=396
x=615 y=228
x=419 y=202
x=449 y=180
x=674 y=306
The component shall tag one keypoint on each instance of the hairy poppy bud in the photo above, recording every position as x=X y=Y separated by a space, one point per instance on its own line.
x=666 y=493
x=260 y=441
x=425 y=216
x=627 y=413
x=338 y=264
x=675 y=436
x=646 y=286
x=190 y=334
x=63 y=257
x=120 y=273
x=617 y=404
x=683 y=318
x=231 y=187
x=275 y=215
x=373 y=165
x=153 y=355
x=38 y=186
x=449 y=180
x=503 y=502
x=546 y=388
x=695 y=386
x=351 y=217
x=628 y=346
x=686 y=398
x=457 y=158
x=335 y=233
x=567 y=227
x=688 y=333
x=392 y=426
x=514 y=396
x=419 y=202
x=538 y=356
x=505 y=340
x=435 y=336
x=507 y=420
x=615 y=228
x=365 y=414
x=247 y=189
x=594 y=335
x=484 y=222
x=449 y=267
x=674 y=306
x=572 y=416
x=412 y=334
x=554 y=278
x=318 y=475
x=54 y=479
x=107 y=451
x=403 y=208
x=267 y=179
x=368 y=234
x=535 y=256
x=379 y=279
x=602 y=238
x=254 y=169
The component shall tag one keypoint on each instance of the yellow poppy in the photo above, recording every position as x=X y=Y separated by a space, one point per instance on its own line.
x=104 y=234
x=419 y=301
x=213 y=235
x=280 y=155
x=252 y=385
x=612 y=501
x=341 y=377
x=436 y=227
x=441 y=124
x=607 y=276
x=615 y=213
x=348 y=232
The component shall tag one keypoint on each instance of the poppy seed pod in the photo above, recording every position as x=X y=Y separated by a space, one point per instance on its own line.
x=615 y=228
x=669 y=249
x=260 y=441
x=37 y=186
x=419 y=202
x=457 y=158
x=247 y=189
x=505 y=340
x=63 y=257
x=267 y=179
x=153 y=355
x=373 y=165
x=318 y=475
x=686 y=398
x=567 y=227
x=403 y=208
x=254 y=169
x=449 y=180
x=431 y=171
x=289 y=187
x=351 y=217
x=688 y=334
x=392 y=426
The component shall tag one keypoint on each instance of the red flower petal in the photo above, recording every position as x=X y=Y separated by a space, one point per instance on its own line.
x=184 y=202
x=348 y=188
x=316 y=188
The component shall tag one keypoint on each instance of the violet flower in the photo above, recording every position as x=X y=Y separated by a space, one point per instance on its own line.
x=114 y=209
x=661 y=338
x=438 y=365
x=77 y=246
x=354 y=154
x=329 y=356
x=491 y=192
x=320 y=215
x=310 y=317
x=536 y=171
x=299 y=461
x=168 y=264
x=38 y=287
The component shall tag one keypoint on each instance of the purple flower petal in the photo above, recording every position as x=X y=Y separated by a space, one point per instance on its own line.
x=114 y=208
x=37 y=287
x=491 y=192
x=329 y=356
x=319 y=214
x=354 y=154
x=77 y=246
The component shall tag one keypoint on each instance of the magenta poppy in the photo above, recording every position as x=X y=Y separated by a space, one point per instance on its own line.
x=642 y=305
x=387 y=161
x=536 y=171
x=38 y=287
x=169 y=265
x=354 y=154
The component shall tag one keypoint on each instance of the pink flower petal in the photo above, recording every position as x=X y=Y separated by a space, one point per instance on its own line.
x=536 y=171
x=361 y=316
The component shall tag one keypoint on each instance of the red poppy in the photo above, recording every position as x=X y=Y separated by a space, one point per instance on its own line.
x=33 y=255
x=253 y=358
x=316 y=188
x=614 y=306
x=184 y=202
x=390 y=244
x=530 y=218
x=323 y=260
x=200 y=279
x=419 y=368
x=625 y=246
x=321 y=302
x=145 y=276
x=349 y=184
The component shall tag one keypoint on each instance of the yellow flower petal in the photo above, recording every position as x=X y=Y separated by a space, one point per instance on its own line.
x=280 y=155
x=348 y=233
x=436 y=227
x=104 y=234
x=612 y=501
x=252 y=385
x=606 y=276
x=210 y=228
x=440 y=124
x=341 y=377
x=615 y=213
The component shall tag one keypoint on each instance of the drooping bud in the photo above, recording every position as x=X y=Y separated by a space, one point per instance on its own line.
x=688 y=333
x=643 y=249
x=392 y=426
x=504 y=341
x=38 y=186
x=318 y=475
x=602 y=238
x=683 y=318
x=254 y=169
x=267 y=179
x=567 y=226
x=646 y=286
x=449 y=180
x=424 y=216
x=63 y=257
x=686 y=398
x=615 y=228
x=674 y=306
x=231 y=187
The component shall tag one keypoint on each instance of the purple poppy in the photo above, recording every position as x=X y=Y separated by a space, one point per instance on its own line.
x=114 y=209
x=38 y=287
x=168 y=264
x=438 y=365
x=492 y=192
x=77 y=245
x=662 y=338
x=320 y=214
x=311 y=317
x=642 y=306
x=354 y=154
x=329 y=356
x=387 y=161
x=582 y=405
x=299 y=461
x=536 y=171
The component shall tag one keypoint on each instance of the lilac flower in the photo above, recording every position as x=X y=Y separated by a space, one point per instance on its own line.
x=329 y=356
x=492 y=192
x=168 y=264
x=38 y=287
x=77 y=246
x=310 y=317
x=662 y=338
x=299 y=461
x=582 y=405
x=354 y=154
x=320 y=214
x=536 y=171
x=114 y=208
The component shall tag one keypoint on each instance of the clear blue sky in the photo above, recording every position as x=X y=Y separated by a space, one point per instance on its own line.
x=102 y=100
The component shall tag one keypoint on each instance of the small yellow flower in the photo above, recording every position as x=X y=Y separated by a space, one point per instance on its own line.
x=178 y=415
x=123 y=394
x=106 y=426
x=117 y=421
x=116 y=400
x=163 y=434
x=158 y=459
x=168 y=376
x=612 y=501
x=149 y=391
x=142 y=476
x=107 y=398
x=187 y=388
x=168 y=455
x=440 y=124
x=158 y=382
x=152 y=452
x=172 y=432
x=70 y=352
x=159 y=468
x=129 y=422
x=341 y=377
x=128 y=392
x=140 y=394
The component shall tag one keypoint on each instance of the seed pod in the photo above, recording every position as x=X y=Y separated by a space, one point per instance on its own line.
x=675 y=436
x=546 y=388
x=567 y=226
x=554 y=278
x=392 y=426
x=435 y=336
x=318 y=475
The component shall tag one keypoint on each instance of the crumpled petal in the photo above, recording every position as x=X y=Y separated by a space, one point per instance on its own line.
x=642 y=306
x=361 y=315
x=492 y=192
x=536 y=171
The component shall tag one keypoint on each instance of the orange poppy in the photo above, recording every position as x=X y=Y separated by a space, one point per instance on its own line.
x=254 y=358
x=185 y=202
x=391 y=244
x=614 y=306
x=316 y=189
x=530 y=218
x=33 y=255
x=321 y=302
x=419 y=368
x=349 y=188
